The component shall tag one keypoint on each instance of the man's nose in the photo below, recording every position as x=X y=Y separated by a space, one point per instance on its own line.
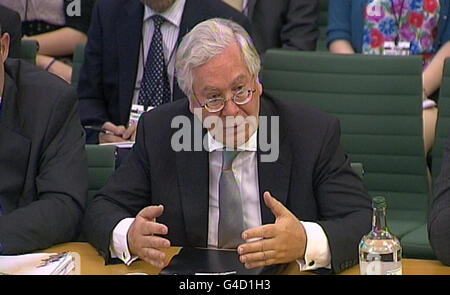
x=230 y=108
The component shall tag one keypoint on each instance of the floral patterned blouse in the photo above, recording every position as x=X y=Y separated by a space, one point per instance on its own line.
x=417 y=19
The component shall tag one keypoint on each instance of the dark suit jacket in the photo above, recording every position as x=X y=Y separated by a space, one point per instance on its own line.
x=43 y=166
x=11 y=24
x=439 y=217
x=287 y=24
x=312 y=177
x=108 y=75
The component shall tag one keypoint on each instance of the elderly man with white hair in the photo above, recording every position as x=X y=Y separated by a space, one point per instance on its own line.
x=305 y=205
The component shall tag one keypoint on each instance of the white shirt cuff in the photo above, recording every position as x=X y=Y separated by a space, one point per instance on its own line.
x=317 y=254
x=118 y=246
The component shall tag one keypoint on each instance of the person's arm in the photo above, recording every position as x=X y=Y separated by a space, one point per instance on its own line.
x=432 y=76
x=339 y=27
x=60 y=42
x=300 y=29
x=90 y=85
x=127 y=192
x=344 y=204
x=61 y=184
x=54 y=66
x=341 y=47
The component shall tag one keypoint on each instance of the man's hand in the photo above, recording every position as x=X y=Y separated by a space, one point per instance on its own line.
x=142 y=236
x=117 y=133
x=281 y=242
x=114 y=133
x=130 y=132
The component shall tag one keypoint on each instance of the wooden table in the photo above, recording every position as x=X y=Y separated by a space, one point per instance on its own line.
x=93 y=264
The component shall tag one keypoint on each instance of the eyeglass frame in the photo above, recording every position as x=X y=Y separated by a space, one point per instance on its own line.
x=224 y=100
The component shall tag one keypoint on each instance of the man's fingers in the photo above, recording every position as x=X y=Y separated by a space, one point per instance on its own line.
x=129 y=131
x=153 y=228
x=260 y=232
x=256 y=246
x=151 y=212
x=155 y=242
x=274 y=205
x=153 y=256
x=117 y=130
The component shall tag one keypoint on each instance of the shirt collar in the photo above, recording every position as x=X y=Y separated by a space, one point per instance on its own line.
x=250 y=146
x=172 y=15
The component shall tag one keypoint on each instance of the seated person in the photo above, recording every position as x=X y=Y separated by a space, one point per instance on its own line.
x=43 y=164
x=266 y=203
x=292 y=25
x=10 y=21
x=419 y=27
x=58 y=26
x=116 y=76
x=439 y=217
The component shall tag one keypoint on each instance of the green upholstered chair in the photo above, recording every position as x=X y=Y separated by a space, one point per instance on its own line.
x=323 y=25
x=78 y=59
x=101 y=163
x=28 y=51
x=378 y=102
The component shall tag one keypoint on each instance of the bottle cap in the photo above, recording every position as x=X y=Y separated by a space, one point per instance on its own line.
x=379 y=202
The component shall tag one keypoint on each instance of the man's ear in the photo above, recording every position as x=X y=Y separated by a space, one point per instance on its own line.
x=4 y=46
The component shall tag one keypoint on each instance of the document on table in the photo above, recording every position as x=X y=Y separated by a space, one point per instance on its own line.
x=41 y=264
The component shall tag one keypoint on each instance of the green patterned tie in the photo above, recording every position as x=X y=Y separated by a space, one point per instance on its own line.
x=231 y=218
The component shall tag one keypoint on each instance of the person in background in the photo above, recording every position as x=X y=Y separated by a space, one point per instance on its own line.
x=302 y=203
x=43 y=166
x=409 y=26
x=10 y=21
x=124 y=51
x=439 y=216
x=289 y=24
x=58 y=26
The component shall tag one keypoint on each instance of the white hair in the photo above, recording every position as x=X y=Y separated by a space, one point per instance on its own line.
x=207 y=40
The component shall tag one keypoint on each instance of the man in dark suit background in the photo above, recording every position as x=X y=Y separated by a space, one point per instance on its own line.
x=164 y=195
x=12 y=25
x=119 y=39
x=439 y=217
x=285 y=24
x=43 y=165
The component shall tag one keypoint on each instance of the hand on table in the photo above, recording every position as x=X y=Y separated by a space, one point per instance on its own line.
x=143 y=236
x=281 y=242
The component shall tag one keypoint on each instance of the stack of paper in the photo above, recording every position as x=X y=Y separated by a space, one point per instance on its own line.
x=38 y=264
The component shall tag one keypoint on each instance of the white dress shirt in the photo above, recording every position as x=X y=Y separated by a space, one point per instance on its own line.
x=245 y=169
x=169 y=30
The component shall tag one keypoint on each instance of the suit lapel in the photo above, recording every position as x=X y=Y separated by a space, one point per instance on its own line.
x=129 y=34
x=193 y=179
x=273 y=176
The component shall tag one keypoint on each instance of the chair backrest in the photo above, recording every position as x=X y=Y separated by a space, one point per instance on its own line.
x=101 y=163
x=378 y=102
x=78 y=59
x=28 y=51
x=443 y=123
x=323 y=25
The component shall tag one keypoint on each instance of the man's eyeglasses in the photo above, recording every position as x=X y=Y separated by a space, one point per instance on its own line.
x=216 y=103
